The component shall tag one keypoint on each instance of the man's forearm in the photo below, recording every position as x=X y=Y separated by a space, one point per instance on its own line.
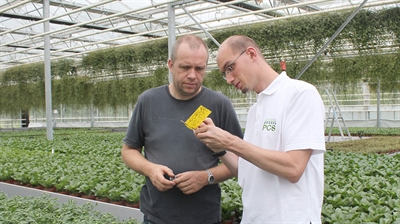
x=134 y=160
x=231 y=162
x=221 y=173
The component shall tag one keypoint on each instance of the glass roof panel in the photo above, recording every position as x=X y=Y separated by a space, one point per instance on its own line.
x=78 y=27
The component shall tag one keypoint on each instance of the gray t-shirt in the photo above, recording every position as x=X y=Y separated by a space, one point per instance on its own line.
x=156 y=125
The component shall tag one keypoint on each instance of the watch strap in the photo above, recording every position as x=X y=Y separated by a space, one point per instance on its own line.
x=219 y=154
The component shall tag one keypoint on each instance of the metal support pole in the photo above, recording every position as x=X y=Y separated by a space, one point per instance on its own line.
x=205 y=31
x=171 y=33
x=378 y=104
x=331 y=39
x=91 y=115
x=47 y=71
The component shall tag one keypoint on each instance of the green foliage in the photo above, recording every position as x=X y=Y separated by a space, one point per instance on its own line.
x=368 y=131
x=132 y=196
x=359 y=187
x=84 y=161
x=214 y=80
x=128 y=59
x=116 y=76
x=380 y=144
x=72 y=91
x=300 y=38
x=160 y=76
x=44 y=209
x=231 y=200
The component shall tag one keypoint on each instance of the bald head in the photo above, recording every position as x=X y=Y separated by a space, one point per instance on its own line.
x=238 y=43
x=241 y=61
x=193 y=41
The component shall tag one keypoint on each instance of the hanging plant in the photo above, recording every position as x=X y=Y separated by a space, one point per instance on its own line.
x=214 y=80
x=73 y=90
x=99 y=99
x=62 y=68
x=383 y=70
x=160 y=76
x=110 y=76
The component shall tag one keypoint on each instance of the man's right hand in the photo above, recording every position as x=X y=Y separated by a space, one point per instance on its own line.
x=157 y=177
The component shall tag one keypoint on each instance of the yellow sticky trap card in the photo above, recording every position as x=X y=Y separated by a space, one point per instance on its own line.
x=197 y=117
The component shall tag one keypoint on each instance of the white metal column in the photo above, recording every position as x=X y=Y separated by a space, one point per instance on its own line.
x=171 y=33
x=47 y=71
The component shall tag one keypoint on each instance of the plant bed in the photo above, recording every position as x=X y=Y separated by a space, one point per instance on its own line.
x=133 y=205
x=51 y=189
x=349 y=177
x=39 y=187
x=121 y=212
x=75 y=194
x=91 y=197
x=44 y=209
x=103 y=199
x=117 y=202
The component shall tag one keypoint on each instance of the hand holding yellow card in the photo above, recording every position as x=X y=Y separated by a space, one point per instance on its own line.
x=197 y=117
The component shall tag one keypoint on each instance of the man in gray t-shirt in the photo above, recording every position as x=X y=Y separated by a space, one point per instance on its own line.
x=181 y=172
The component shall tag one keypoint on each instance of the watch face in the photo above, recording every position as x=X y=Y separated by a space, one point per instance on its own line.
x=211 y=179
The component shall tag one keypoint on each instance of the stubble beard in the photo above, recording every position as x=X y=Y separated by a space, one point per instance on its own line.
x=190 y=93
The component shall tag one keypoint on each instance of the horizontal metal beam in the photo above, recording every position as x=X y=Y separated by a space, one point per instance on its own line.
x=68 y=23
x=40 y=48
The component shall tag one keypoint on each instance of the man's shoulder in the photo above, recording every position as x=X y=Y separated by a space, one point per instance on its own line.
x=300 y=85
x=213 y=93
x=153 y=91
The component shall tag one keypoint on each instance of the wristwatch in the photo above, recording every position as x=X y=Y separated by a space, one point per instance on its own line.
x=210 y=178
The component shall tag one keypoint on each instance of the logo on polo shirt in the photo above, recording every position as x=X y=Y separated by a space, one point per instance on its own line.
x=269 y=125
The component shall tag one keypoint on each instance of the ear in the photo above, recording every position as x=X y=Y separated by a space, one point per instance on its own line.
x=170 y=64
x=252 y=52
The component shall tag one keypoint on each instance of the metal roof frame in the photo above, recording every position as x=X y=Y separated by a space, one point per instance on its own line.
x=78 y=27
x=84 y=28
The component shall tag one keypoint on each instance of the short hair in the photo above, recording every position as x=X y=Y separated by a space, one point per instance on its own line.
x=194 y=42
x=239 y=43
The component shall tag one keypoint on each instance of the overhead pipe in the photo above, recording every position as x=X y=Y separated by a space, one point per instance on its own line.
x=331 y=39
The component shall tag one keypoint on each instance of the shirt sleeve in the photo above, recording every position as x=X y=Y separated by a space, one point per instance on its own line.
x=134 y=136
x=304 y=125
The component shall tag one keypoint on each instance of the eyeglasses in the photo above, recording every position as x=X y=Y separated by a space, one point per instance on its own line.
x=230 y=67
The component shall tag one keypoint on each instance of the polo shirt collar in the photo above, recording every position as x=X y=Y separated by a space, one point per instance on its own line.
x=275 y=85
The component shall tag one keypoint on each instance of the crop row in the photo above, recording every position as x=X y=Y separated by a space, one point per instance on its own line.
x=359 y=188
x=45 y=209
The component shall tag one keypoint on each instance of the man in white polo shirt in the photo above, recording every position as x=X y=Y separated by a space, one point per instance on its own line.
x=279 y=163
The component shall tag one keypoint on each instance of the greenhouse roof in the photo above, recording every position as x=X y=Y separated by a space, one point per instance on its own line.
x=77 y=27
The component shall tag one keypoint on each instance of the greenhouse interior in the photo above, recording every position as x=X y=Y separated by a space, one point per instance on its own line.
x=81 y=65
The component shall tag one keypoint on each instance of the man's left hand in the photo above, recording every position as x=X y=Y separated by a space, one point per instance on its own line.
x=191 y=182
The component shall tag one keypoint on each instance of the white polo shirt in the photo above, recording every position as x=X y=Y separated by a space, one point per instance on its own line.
x=288 y=115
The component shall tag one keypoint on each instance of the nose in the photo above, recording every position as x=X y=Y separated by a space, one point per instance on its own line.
x=229 y=78
x=191 y=74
